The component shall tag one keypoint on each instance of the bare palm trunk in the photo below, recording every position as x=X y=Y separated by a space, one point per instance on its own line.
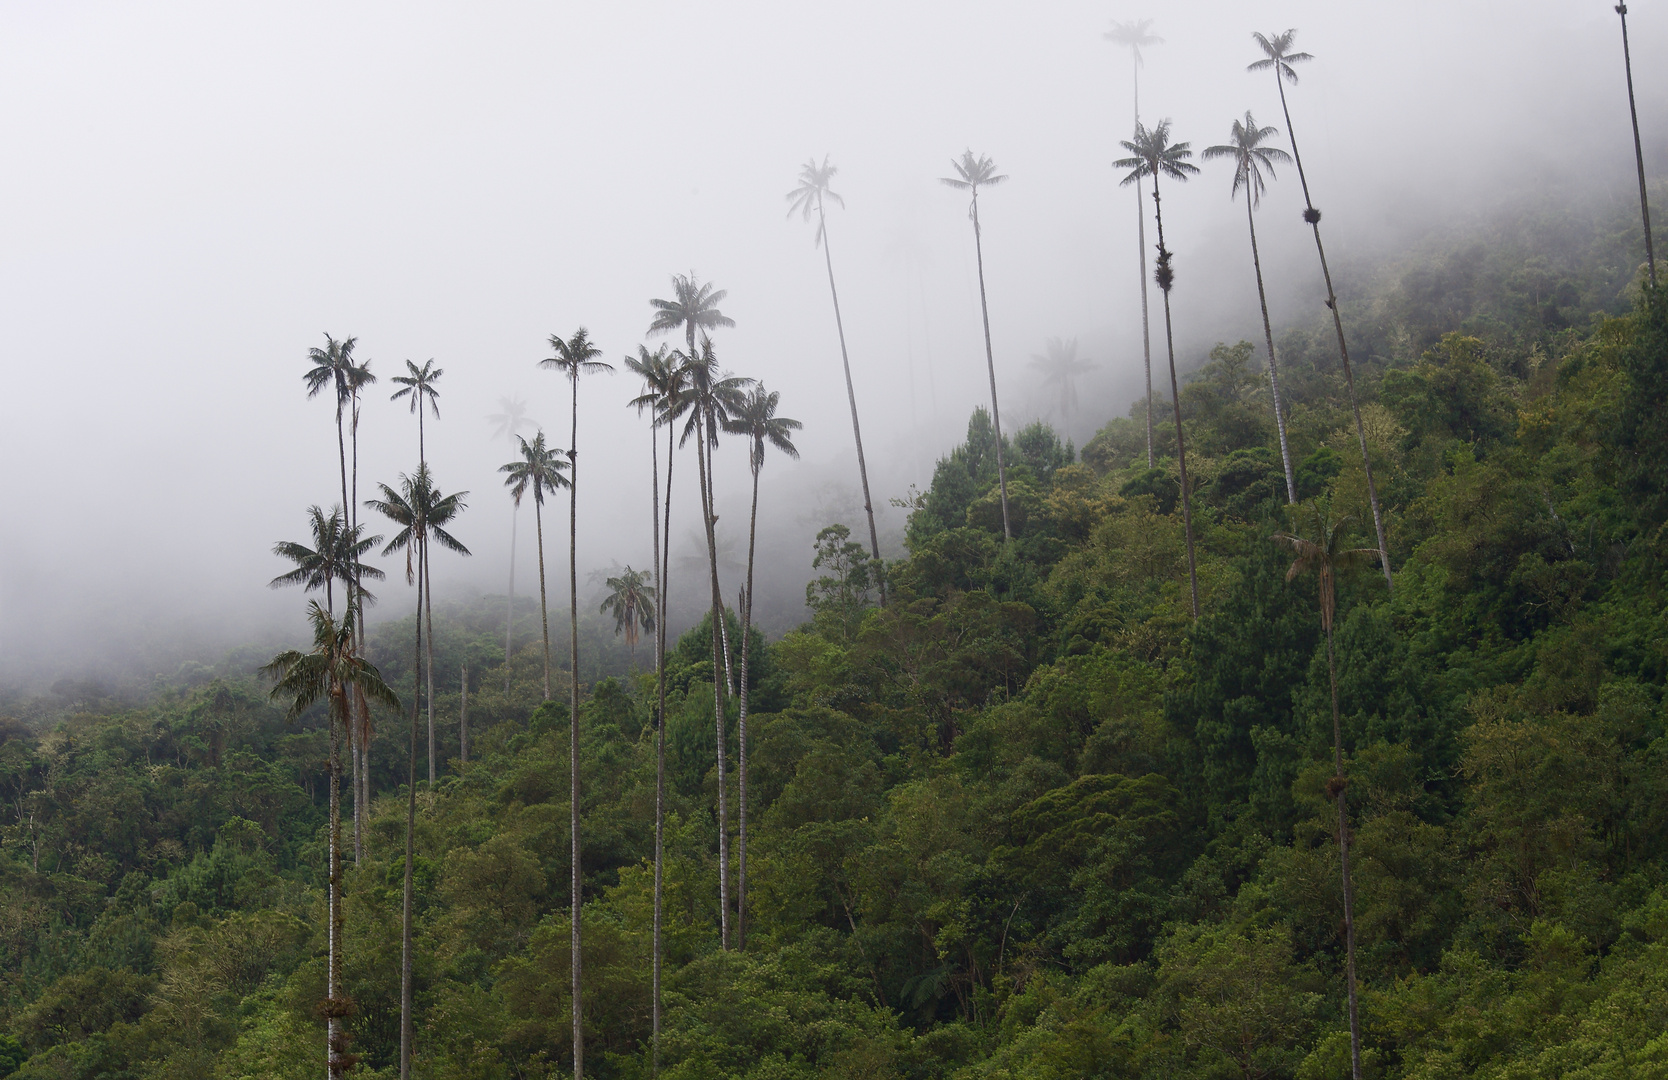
x=335 y=1043
x=428 y=615
x=720 y=681
x=359 y=726
x=851 y=398
x=741 y=727
x=1273 y=366
x=662 y=565
x=1313 y=216
x=1343 y=858
x=544 y=606
x=509 y=607
x=1175 y=401
x=1141 y=248
x=990 y=362
x=573 y=724
x=463 y=714
x=406 y=1029
x=1638 y=152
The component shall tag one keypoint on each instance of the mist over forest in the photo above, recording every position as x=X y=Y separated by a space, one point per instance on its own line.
x=895 y=541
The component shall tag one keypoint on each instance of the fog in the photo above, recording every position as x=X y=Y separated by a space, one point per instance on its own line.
x=195 y=193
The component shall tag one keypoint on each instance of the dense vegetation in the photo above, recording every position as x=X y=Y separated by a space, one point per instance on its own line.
x=1028 y=818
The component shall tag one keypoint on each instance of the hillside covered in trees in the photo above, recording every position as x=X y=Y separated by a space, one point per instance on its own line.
x=1027 y=818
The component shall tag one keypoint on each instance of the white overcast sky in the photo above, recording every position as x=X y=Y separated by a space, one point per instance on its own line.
x=192 y=194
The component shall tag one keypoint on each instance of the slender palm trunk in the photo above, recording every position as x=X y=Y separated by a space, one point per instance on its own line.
x=544 y=606
x=720 y=682
x=990 y=362
x=1175 y=401
x=406 y=1028
x=741 y=727
x=1141 y=248
x=428 y=616
x=335 y=1043
x=463 y=713
x=509 y=607
x=1638 y=152
x=359 y=726
x=573 y=723
x=1312 y=216
x=1273 y=366
x=662 y=565
x=1343 y=858
x=851 y=398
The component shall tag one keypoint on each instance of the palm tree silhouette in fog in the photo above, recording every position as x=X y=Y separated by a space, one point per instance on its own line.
x=507 y=423
x=1251 y=159
x=1059 y=367
x=756 y=421
x=334 y=556
x=1278 y=57
x=1155 y=155
x=973 y=173
x=631 y=601
x=540 y=470
x=804 y=200
x=418 y=388
x=1135 y=36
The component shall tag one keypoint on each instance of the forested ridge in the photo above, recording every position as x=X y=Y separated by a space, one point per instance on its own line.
x=1027 y=818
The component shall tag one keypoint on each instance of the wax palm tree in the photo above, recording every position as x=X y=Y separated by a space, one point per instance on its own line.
x=1154 y=155
x=334 y=556
x=1638 y=151
x=1278 y=57
x=1059 y=367
x=331 y=673
x=419 y=390
x=1251 y=160
x=420 y=513
x=538 y=470
x=631 y=601
x=1135 y=36
x=507 y=423
x=358 y=377
x=574 y=357
x=806 y=199
x=971 y=175
x=711 y=399
x=757 y=422
x=333 y=368
x=665 y=393
x=1325 y=556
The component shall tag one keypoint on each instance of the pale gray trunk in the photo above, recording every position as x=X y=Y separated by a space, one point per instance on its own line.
x=406 y=1028
x=662 y=565
x=1175 y=401
x=1146 y=337
x=741 y=728
x=1638 y=151
x=463 y=714
x=334 y=1045
x=990 y=362
x=428 y=616
x=1343 y=860
x=720 y=681
x=573 y=724
x=1273 y=366
x=509 y=606
x=544 y=606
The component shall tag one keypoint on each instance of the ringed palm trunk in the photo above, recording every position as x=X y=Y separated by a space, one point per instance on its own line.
x=509 y=607
x=428 y=616
x=1337 y=787
x=1638 y=152
x=359 y=727
x=1175 y=400
x=856 y=430
x=720 y=681
x=990 y=362
x=663 y=557
x=1312 y=216
x=335 y=1042
x=406 y=1030
x=741 y=727
x=1273 y=366
x=573 y=723
x=1146 y=336
x=544 y=606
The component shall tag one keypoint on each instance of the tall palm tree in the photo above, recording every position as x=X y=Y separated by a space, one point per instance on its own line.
x=695 y=307
x=418 y=389
x=359 y=376
x=1155 y=155
x=574 y=357
x=631 y=600
x=1638 y=151
x=507 y=423
x=334 y=556
x=421 y=513
x=540 y=470
x=971 y=175
x=333 y=367
x=1135 y=36
x=805 y=199
x=1325 y=556
x=1060 y=366
x=1251 y=159
x=755 y=420
x=331 y=672
x=712 y=397
x=1278 y=57
x=665 y=393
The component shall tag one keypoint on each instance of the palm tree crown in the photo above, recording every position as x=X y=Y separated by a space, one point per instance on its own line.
x=1153 y=154
x=1279 y=56
x=303 y=678
x=1060 y=367
x=695 y=307
x=540 y=469
x=421 y=512
x=973 y=173
x=510 y=418
x=755 y=419
x=663 y=380
x=807 y=198
x=1325 y=556
x=331 y=367
x=631 y=600
x=1250 y=157
x=575 y=356
x=334 y=556
x=419 y=388
x=714 y=395
x=1133 y=35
